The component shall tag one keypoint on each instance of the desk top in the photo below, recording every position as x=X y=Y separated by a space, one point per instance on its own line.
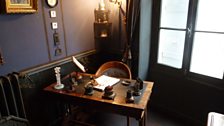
x=96 y=101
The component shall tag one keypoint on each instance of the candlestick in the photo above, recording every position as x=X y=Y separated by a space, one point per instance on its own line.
x=59 y=85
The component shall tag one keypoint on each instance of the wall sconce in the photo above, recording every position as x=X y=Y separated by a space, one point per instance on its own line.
x=102 y=30
x=101 y=14
x=102 y=26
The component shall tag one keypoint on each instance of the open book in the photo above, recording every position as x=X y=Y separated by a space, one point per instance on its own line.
x=104 y=81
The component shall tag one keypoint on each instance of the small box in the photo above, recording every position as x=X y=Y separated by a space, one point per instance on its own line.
x=54 y=25
x=53 y=14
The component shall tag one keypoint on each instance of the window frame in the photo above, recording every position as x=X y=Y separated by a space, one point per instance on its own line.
x=184 y=72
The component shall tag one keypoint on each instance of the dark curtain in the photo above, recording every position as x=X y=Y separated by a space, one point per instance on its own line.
x=132 y=27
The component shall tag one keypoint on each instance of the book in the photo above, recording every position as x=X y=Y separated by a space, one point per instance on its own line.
x=104 y=81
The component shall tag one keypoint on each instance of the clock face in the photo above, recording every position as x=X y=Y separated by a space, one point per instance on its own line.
x=52 y=3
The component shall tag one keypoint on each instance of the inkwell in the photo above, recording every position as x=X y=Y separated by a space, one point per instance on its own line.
x=109 y=93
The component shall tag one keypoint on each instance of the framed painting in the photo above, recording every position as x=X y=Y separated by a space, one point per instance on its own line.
x=18 y=6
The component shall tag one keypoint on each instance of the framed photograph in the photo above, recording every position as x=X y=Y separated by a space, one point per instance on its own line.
x=18 y=6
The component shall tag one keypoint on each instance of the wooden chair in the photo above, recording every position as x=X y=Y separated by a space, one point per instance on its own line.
x=114 y=69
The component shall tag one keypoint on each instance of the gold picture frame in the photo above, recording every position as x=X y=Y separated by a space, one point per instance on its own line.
x=18 y=6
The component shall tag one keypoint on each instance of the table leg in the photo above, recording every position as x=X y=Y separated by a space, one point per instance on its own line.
x=140 y=123
x=128 y=121
x=143 y=120
x=145 y=117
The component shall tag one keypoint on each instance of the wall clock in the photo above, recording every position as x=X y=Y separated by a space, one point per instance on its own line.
x=52 y=3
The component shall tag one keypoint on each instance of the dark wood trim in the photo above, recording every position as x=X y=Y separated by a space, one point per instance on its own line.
x=178 y=29
x=43 y=67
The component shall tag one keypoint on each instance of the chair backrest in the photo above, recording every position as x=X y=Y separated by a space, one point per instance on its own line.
x=114 y=69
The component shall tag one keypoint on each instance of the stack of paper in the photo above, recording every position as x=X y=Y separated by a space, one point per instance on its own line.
x=104 y=81
x=215 y=119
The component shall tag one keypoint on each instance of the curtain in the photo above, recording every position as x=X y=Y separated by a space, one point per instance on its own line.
x=132 y=27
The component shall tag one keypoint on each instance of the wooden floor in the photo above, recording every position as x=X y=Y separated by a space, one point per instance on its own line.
x=155 y=118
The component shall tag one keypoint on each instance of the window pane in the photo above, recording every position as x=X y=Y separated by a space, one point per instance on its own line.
x=174 y=13
x=171 y=47
x=210 y=15
x=207 y=56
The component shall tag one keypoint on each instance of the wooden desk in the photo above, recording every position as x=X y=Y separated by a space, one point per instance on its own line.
x=137 y=110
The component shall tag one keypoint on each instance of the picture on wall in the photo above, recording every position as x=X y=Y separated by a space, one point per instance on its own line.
x=20 y=1
x=18 y=6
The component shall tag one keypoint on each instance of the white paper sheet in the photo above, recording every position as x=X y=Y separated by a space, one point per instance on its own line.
x=104 y=81
x=215 y=119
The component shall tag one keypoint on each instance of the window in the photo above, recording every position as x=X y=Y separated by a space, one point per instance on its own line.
x=172 y=32
x=208 y=44
x=191 y=36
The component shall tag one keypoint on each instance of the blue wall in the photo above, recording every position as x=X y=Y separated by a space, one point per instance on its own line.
x=26 y=40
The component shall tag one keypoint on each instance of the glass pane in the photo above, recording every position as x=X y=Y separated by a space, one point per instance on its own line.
x=171 y=47
x=207 y=56
x=210 y=15
x=174 y=13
